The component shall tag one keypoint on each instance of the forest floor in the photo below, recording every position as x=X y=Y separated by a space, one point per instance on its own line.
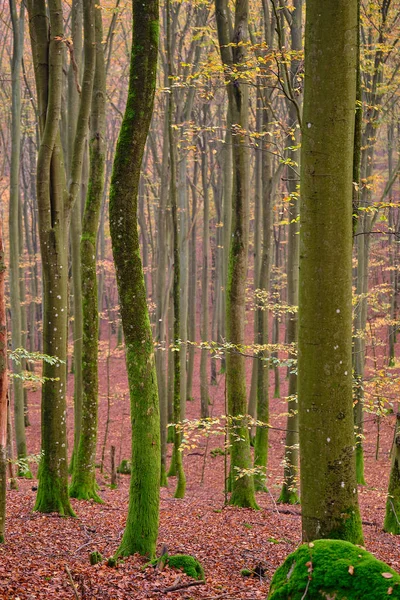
x=40 y=549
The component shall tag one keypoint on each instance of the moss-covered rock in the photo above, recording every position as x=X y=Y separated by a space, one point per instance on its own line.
x=188 y=564
x=333 y=569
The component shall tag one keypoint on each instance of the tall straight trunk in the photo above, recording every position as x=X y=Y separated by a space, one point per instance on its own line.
x=162 y=299
x=232 y=50
x=3 y=393
x=252 y=408
x=14 y=233
x=177 y=458
x=328 y=474
x=76 y=220
x=393 y=256
x=227 y=214
x=363 y=223
x=262 y=431
x=276 y=295
x=22 y=295
x=83 y=484
x=291 y=462
x=55 y=204
x=205 y=281
x=192 y=305
x=141 y=530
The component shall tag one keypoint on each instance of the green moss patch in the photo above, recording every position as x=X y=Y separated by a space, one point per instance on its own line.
x=333 y=569
x=184 y=562
x=125 y=467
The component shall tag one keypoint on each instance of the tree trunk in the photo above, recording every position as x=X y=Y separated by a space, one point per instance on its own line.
x=141 y=530
x=15 y=296
x=83 y=484
x=3 y=394
x=205 y=281
x=76 y=221
x=392 y=521
x=328 y=475
x=55 y=205
x=290 y=474
x=177 y=457
x=233 y=58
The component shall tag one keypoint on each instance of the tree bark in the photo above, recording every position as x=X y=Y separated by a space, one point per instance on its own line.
x=141 y=530
x=328 y=476
x=14 y=233
x=3 y=394
x=83 y=484
x=233 y=57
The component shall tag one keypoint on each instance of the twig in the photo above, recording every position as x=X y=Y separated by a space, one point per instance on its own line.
x=181 y=586
x=306 y=590
x=72 y=582
x=83 y=546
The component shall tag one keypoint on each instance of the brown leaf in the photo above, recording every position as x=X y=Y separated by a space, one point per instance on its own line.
x=351 y=569
x=387 y=575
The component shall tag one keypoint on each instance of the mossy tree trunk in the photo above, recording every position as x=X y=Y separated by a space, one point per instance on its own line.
x=392 y=517
x=15 y=295
x=328 y=476
x=54 y=212
x=232 y=48
x=291 y=462
x=76 y=224
x=83 y=484
x=177 y=459
x=141 y=529
x=3 y=393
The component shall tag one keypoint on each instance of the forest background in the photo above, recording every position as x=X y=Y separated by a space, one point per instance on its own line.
x=189 y=156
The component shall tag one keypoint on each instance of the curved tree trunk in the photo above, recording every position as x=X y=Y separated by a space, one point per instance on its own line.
x=141 y=529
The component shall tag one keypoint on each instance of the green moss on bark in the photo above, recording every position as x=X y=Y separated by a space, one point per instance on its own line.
x=141 y=529
x=392 y=517
x=335 y=569
x=325 y=395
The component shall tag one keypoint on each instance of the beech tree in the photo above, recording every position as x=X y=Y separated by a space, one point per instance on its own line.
x=328 y=475
x=232 y=48
x=84 y=481
x=55 y=202
x=16 y=309
x=3 y=393
x=141 y=529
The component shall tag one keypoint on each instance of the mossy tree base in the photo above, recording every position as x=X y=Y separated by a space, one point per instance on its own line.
x=333 y=569
x=85 y=491
x=392 y=517
x=172 y=467
x=288 y=496
x=163 y=478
